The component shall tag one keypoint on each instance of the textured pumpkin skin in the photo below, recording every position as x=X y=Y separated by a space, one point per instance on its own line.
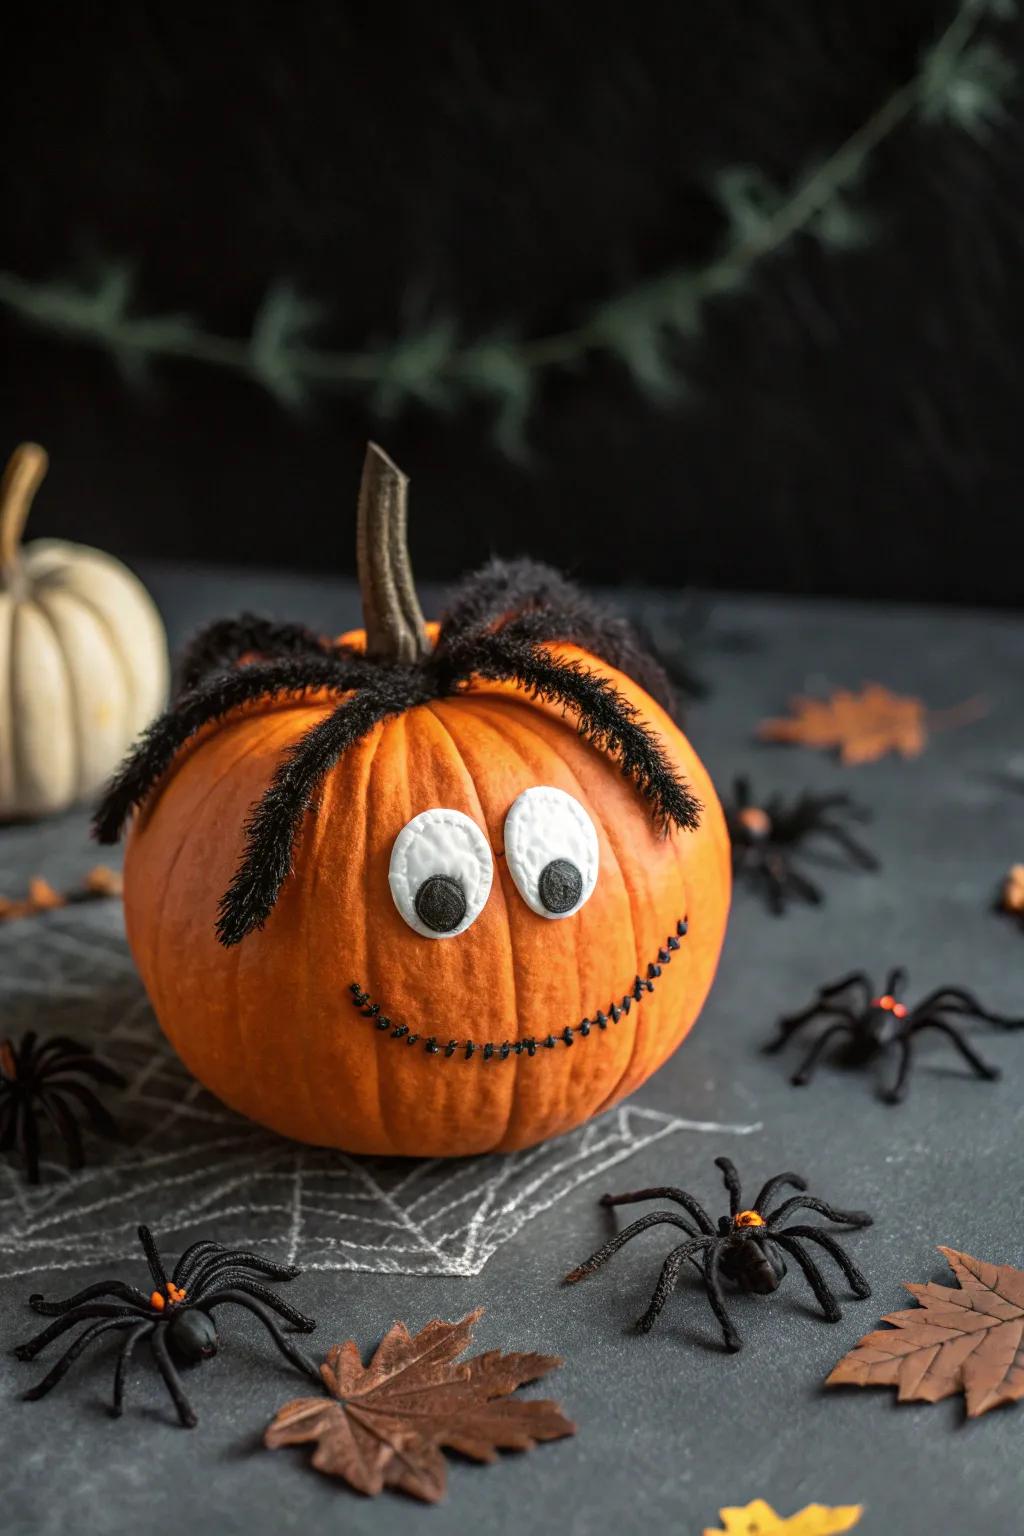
x=83 y=668
x=269 y=1026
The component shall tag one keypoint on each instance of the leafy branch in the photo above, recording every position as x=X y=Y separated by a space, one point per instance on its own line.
x=962 y=79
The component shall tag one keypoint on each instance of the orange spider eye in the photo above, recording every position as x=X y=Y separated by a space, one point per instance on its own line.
x=755 y=821
x=748 y=1219
x=899 y=1010
x=157 y=1301
x=886 y=1002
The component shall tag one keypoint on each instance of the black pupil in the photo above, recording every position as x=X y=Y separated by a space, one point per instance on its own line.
x=560 y=885
x=441 y=903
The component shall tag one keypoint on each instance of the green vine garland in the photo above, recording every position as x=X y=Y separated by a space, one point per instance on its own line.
x=961 y=79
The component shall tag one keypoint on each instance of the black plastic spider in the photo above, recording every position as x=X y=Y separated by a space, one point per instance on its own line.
x=872 y=1022
x=42 y=1078
x=766 y=837
x=496 y=629
x=747 y=1247
x=175 y=1316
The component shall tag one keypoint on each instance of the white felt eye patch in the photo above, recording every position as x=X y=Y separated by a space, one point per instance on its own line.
x=441 y=872
x=551 y=847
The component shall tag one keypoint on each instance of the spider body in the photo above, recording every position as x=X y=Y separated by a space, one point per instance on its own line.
x=42 y=1080
x=176 y=1316
x=766 y=838
x=748 y=1247
x=748 y=1257
x=869 y=1024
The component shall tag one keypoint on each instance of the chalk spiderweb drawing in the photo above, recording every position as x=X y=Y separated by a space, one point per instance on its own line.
x=190 y=1165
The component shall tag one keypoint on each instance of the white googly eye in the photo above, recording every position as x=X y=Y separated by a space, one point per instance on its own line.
x=441 y=871
x=551 y=848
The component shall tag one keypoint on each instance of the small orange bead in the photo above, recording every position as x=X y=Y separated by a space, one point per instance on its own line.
x=157 y=1301
x=899 y=1010
x=885 y=1002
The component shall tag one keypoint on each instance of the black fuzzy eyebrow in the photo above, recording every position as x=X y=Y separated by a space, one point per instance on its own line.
x=497 y=629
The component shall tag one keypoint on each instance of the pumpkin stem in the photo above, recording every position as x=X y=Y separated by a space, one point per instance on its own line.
x=392 y=618
x=25 y=472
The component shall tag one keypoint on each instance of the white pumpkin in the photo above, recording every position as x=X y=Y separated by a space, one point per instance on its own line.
x=83 y=658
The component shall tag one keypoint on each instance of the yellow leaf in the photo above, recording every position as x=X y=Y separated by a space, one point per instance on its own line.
x=759 y=1519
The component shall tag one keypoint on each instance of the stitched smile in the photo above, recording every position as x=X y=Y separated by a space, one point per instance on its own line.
x=501 y=1050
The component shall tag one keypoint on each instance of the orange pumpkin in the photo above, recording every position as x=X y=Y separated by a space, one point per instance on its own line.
x=466 y=928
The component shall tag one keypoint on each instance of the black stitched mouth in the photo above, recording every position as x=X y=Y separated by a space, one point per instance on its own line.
x=502 y=1050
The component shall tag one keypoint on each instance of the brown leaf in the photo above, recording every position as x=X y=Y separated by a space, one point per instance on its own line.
x=1012 y=897
x=384 y=1424
x=863 y=726
x=969 y=1339
x=99 y=883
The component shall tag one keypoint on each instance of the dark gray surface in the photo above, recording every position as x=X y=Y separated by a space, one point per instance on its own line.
x=670 y=1428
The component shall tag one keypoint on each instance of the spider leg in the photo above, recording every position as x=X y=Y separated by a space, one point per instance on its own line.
x=656 y=1218
x=981 y=1068
x=223 y=643
x=963 y=1001
x=898 y=1092
x=839 y=835
x=153 y=1259
x=895 y=981
x=238 y=1280
x=29 y=1143
x=815 y=1279
x=202 y=1274
x=665 y=1192
x=713 y=1286
x=273 y=824
x=805 y=1071
x=66 y=1126
x=732 y=1183
x=238 y=1298
x=798 y=884
x=668 y=1279
x=58 y=1371
x=211 y=700
x=118 y=1288
x=858 y=1285
x=123 y=1361
x=101 y=1119
x=86 y=1066
x=602 y=715
x=789 y=1026
x=8 y=1123
x=32 y=1347
x=188 y=1261
x=777 y=1181
x=812 y=1203
x=172 y=1381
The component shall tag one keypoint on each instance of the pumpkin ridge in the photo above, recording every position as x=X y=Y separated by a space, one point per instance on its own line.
x=71 y=724
x=188 y=830
x=47 y=588
x=541 y=724
x=510 y=1104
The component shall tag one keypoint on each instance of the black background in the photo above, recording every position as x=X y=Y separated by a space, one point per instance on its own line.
x=853 y=420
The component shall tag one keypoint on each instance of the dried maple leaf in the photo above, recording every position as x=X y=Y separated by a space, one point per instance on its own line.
x=759 y=1519
x=384 y=1424
x=98 y=884
x=969 y=1339
x=864 y=726
x=1012 y=896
